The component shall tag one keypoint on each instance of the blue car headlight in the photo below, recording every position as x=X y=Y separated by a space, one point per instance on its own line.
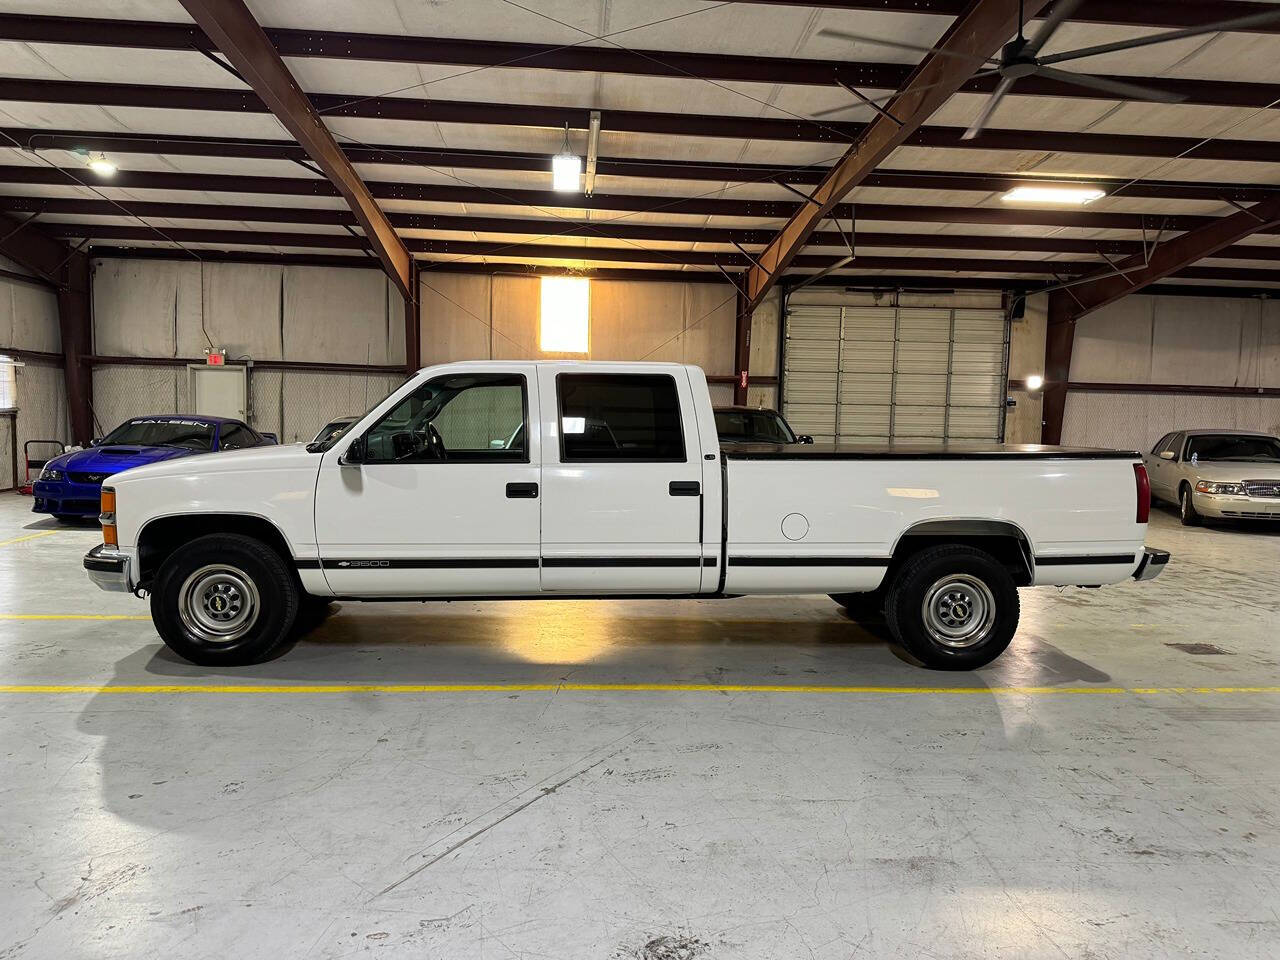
x=49 y=473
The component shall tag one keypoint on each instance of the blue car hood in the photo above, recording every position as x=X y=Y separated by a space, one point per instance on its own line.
x=115 y=458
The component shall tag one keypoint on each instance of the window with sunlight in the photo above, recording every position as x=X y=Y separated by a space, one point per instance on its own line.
x=8 y=383
x=564 y=327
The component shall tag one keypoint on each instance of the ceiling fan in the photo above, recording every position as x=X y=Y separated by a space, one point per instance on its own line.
x=1019 y=58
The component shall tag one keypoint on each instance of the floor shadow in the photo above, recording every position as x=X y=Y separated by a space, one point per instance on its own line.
x=1033 y=661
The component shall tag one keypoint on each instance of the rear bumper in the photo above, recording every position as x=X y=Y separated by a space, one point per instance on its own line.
x=66 y=498
x=1152 y=564
x=109 y=568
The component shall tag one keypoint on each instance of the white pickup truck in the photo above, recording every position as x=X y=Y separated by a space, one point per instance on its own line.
x=517 y=480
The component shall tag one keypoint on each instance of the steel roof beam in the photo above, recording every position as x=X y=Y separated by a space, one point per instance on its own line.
x=624 y=254
x=695 y=206
x=141 y=34
x=721 y=126
x=1171 y=258
x=690 y=170
x=622 y=230
x=237 y=35
x=974 y=36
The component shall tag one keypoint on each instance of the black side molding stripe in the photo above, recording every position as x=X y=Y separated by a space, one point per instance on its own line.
x=809 y=561
x=428 y=563
x=621 y=561
x=475 y=563
x=1086 y=559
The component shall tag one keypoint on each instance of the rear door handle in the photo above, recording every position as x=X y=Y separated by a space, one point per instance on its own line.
x=684 y=488
x=522 y=491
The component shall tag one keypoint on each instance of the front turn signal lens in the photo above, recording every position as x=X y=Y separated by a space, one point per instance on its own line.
x=108 y=517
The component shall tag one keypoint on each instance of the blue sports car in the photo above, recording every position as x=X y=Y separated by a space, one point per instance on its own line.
x=70 y=485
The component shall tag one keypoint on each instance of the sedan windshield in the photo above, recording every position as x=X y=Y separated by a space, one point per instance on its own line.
x=1240 y=448
x=192 y=434
x=753 y=426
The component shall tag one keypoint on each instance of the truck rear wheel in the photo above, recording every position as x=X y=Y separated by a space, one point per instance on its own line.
x=224 y=600
x=953 y=607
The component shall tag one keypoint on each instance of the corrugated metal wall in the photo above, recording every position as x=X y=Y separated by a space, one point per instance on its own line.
x=29 y=319
x=1173 y=340
x=151 y=308
x=865 y=371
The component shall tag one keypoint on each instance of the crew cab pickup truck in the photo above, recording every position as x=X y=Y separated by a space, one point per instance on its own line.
x=516 y=480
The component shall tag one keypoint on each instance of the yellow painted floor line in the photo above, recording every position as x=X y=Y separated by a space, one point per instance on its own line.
x=73 y=616
x=420 y=688
x=29 y=536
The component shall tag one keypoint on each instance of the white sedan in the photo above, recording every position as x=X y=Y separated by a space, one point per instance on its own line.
x=1221 y=474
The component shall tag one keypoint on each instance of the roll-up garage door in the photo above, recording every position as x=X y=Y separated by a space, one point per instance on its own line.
x=874 y=373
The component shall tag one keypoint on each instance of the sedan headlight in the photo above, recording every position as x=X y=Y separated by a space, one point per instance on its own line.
x=49 y=473
x=1210 y=486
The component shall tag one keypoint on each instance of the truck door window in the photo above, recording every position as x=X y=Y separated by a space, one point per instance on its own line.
x=464 y=418
x=619 y=417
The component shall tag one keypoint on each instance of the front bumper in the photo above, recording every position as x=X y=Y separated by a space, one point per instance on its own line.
x=1231 y=507
x=66 y=498
x=109 y=568
x=1152 y=563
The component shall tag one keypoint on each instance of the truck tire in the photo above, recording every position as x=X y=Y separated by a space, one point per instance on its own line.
x=861 y=607
x=953 y=607
x=224 y=600
x=1187 y=507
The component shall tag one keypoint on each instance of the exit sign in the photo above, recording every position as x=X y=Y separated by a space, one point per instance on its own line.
x=215 y=358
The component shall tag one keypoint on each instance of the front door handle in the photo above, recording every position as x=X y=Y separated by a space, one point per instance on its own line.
x=522 y=491
x=684 y=488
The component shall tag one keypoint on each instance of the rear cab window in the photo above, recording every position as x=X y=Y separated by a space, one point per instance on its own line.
x=619 y=418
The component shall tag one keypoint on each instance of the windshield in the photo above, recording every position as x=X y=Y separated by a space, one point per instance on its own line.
x=192 y=434
x=1239 y=448
x=753 y=426
x=322 y=443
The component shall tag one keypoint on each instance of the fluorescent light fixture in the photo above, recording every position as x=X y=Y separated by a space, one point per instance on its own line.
x=1078 y=195
x=1035 y=382
x=101 y=165
x=563 y=324
x=573 y=424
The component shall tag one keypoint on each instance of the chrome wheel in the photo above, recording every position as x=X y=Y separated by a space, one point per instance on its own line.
x=219 y=603
x=958 y=610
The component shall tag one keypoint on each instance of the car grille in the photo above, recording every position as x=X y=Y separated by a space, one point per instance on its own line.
x=1267 y=489
x=87 y=477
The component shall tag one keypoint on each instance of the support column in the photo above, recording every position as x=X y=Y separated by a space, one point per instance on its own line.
x=75 y=325
x=413 y=323
x=742 y=350
x=1059 y=341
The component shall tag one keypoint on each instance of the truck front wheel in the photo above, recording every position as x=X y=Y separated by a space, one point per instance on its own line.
x=953 y=607
x=224 y=600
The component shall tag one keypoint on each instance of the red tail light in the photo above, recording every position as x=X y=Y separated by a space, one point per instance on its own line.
x=1144 y=492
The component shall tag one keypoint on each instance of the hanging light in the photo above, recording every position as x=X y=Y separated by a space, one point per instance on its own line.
x=100 y=165
x=566 y=168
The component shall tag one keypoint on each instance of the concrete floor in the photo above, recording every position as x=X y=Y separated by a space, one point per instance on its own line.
x=613 y=824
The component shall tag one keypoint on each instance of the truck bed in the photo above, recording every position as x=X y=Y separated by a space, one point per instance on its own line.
x=920 y=451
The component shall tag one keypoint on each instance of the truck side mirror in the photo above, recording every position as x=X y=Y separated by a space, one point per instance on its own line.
x=804 y=438
x=355 y=453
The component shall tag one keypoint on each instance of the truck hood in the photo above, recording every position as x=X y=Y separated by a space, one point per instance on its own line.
x=252 y=460
x=113 y=459
x=1230 y=471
